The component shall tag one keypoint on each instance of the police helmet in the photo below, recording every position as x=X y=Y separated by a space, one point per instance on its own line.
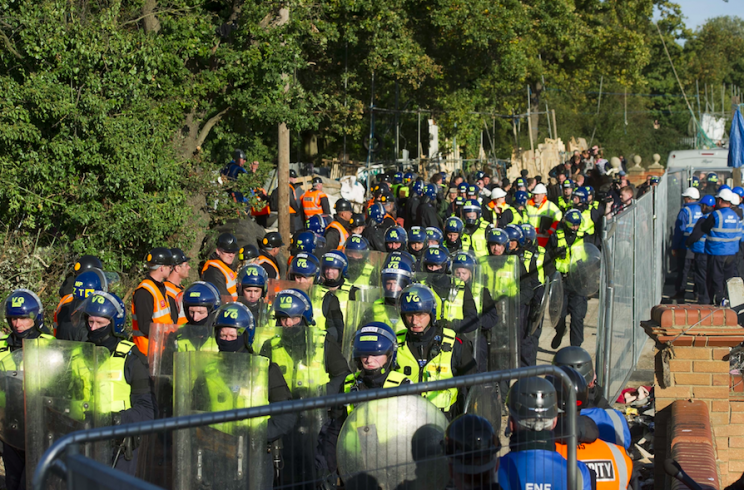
x=305 y=241
x=407 y=177
x=514 y=232
x=579 y=385
x=238 y=155
x=24 y=303
x=343 y=205
x=497 y=236
x=303 y=265
x=204 y=294
x=462 y=188
x=179 y=257
x=434 y=234
x=581 y=195
x=416 y=235
x=335 y=259
x=520 y=182
x=158 y=257
x=376 y=339
x=708 y=200
x=253 y=276
x=453 y=225
x=695 y=182
x=358 y=243
x=576 y=358
x=417 y=298
x=317 y=224
x=238 y=316
x=573 y=217
x=356 y=220
x=87 y=262
x=463 y=260
x=248 y=252
x=400 y=256
x=479 y=175
x=435 y=255
x=228 y=243
x=396 y=234
x=88 y=282
x=521 y=197
x=431 y=191
x=471 y=206
x=271 y=240
x=376 y=212
x=294 y=303
x=590 y=190
x=105 y=305
x=398 y=178
x=472 y=191
x=532 y=400
x=712 y=178
x=654 y=179
x=568 y=184
x=418 y=188
x=529 y=233
x=471 y=445
x=396 y=276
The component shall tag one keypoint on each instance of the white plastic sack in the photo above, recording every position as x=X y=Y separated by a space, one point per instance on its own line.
x=351 y=190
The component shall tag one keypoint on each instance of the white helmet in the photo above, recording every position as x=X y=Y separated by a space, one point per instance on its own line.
x=540 y=189
x=497 y=193
x=692 y=193
x=727 y=195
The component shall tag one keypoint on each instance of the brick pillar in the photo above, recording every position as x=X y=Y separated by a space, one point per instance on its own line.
x=691 y=363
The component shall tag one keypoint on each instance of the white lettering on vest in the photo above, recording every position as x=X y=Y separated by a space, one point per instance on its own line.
x=603 y=468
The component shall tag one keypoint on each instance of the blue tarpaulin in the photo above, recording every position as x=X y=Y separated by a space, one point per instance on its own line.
x=736 y=141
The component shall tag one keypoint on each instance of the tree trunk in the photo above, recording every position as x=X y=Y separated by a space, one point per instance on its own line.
x=152 y=24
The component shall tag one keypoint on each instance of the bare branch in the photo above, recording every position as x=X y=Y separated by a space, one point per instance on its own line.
x=209 y=125
x=10 y=47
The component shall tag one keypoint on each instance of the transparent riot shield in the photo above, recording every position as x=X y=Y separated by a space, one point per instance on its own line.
x=358 y=314
x=393 y=443
x=277 y=285
x=555 y=303
x=500 y=310
x=62 y=397
x=300 y=354
x=536 y=317
x=584 y=269
x=441 y=284
x=368 y=295
x=485 y=401
x=12 y=414
x=364 y=268
x=230 y=455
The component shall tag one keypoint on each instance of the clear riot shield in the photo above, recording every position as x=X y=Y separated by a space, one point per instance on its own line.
x=536 y=317
x=230 y=455
x=485 y=401
x=368 y=295
x=555 y=303
x=584 y=269
x=394 y=443
x=500 y=315
x=277 y=285
x=364 y=268
x=62 y=397
x=358 y=314
x=12 y=414
x=437 y=282
x=300 y=354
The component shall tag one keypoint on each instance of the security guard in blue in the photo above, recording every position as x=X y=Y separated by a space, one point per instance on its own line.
x=253 y=284
x=459 y=311
x=426 y=350
x=723 y=233
x=416 y=241
x=453 y=229
x=739 y=191
x=568 y=235
x=687 y=217
x=130 y=398
x=25 y=316
x=335 y=293
x=533 y=462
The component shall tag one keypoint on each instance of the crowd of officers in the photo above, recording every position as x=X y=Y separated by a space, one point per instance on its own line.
x=418 y=328
x=708 y=240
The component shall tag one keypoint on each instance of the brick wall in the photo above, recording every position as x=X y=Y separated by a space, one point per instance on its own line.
x=691 y=363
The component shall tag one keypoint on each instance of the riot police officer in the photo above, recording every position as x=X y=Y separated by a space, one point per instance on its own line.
x=84 y=285
x=565 y=201
x=304 y=270
x=434 y=236
x=396 y=239
x=416 y=241
x=253 y=286
x=332 y=294
x=82 y=264
x=471 y=446
x=426 y=350
x=360 y=269
x=24 y=314
x=533 y=460
x=453 y=230
x=476 y=228
x=218 y=269
x=200 y=303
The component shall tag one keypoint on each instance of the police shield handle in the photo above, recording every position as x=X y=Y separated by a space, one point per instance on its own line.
x=555 y=298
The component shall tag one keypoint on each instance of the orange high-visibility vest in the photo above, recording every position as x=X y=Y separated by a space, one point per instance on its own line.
x=609 y=461
x=160 y=313
x=175 y=292
x=263 y=260
x=65 y=299
x=263 y=211
x=344 y=235
x=291 y=209
x=311 y=202
x=230 y=277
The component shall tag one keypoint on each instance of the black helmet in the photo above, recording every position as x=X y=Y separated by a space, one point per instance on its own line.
x=317 y=180
x=238 y=155
x=228 y=243
x=159 y=256
x=579 y=383
x=343 y=205
x=248 y=252
x=87 y=262
x=179 y=257
x=272 y=240
x=532 y=398
x=292 y=174
x=471 y=444
x=577 y=358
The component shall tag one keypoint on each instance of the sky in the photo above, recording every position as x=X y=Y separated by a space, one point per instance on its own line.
x=698 y=11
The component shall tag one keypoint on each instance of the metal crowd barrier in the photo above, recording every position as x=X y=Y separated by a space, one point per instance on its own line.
x=81 y=473
x=636 y=244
